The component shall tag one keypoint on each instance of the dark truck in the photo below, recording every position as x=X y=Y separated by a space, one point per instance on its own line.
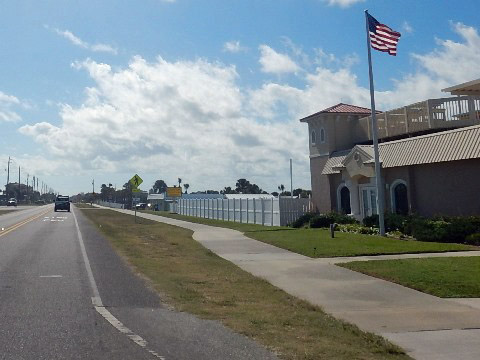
x=62 y=203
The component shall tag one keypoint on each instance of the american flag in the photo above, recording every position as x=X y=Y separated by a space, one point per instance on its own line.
x=382 y=38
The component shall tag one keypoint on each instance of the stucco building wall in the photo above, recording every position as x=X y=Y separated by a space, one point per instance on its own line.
x=449 y=188
x=320 y=184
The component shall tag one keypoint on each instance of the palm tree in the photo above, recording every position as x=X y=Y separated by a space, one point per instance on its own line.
x=186 y=186
x=179 y=182
x=281 y=188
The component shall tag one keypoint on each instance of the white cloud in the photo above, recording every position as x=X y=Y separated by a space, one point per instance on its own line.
x=191 y=119
x=276 y=63
x=454 y=62
x=406 y=27
x=343 y=3
x=233 y=47
x=75 y=40
x=181 y=119
x=6 y=104
x=333 y=80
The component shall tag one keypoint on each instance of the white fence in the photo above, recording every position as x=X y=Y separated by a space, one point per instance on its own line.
x=110 y=204
x=269 y=212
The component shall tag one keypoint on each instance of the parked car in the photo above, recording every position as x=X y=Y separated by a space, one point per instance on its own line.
x=12 y=202
x=62 y=203
x=141 y=206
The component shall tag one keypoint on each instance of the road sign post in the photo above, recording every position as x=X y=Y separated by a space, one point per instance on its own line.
x=135 y=182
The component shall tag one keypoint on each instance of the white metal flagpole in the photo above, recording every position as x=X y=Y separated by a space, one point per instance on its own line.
x=378 y=175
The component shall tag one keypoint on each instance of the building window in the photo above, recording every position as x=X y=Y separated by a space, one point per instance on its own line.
x=399 y=196
x=343 y=194
x=322 y=135
x=314 y=137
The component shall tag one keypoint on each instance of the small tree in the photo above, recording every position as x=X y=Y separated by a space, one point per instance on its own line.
x=186 y=186
x=159 y=187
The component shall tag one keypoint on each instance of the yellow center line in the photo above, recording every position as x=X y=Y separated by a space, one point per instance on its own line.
x=23 y=222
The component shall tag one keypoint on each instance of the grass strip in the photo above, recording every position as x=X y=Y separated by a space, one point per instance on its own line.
x=449 y=277
x=191 y=278
x=317 y=242
x=84 y=206
x=3 y=212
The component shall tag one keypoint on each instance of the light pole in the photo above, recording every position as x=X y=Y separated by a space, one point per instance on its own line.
x=8 y=174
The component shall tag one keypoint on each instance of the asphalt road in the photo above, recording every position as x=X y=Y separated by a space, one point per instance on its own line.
x=65 y=294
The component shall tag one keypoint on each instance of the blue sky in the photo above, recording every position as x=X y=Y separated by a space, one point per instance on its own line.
x=209 y=91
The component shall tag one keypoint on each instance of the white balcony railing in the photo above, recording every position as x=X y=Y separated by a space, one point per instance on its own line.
x=444 y=113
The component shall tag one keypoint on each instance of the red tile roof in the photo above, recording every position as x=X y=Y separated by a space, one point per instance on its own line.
x=342 y=108
x=346 y=108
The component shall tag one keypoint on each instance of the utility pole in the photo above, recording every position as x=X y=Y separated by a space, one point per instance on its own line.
x=28 y=175
x=291 y=180
x=19 y=188
x=8 y=173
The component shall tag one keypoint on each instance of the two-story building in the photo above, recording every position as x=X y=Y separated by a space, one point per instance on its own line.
x=429 y=152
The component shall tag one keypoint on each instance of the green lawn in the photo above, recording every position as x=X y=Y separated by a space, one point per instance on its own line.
x=191 y=278
x=449 y=277
x=317 y=242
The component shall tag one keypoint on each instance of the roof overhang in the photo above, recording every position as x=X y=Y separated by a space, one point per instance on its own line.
x=468 y=88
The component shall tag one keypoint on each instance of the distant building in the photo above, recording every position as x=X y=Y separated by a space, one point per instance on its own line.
x=429 y=151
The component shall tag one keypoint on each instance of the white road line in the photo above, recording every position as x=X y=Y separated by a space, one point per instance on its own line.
x=51 y=276
x=97 y=301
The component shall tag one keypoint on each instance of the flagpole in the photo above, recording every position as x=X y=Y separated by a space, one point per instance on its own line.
x=378 y=175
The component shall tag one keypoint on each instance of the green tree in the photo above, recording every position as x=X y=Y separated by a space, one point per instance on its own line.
x=243 y=186
x=186 y=186
x=228 y=190
x=159 y=187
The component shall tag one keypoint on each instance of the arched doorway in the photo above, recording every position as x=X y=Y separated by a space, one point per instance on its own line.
x=400 y=198
x=345 y=207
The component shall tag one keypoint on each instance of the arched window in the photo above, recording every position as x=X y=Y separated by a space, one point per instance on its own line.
x=343 y=200
x=314 y=137
x=399 y=196
x=322 y=135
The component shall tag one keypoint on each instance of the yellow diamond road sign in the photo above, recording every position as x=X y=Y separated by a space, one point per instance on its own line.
x=136 y=181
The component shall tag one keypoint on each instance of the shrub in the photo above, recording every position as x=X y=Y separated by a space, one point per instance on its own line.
x=357 y=229
x=393 y=222
x=342 y=218
x=324 y=221
x=473 y=239
x=429 y=230
x=370 y=221
x=321 y=221
x=445 y=229
x=302 y=220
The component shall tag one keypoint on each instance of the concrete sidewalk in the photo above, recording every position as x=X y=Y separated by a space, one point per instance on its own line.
x=427 y=327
